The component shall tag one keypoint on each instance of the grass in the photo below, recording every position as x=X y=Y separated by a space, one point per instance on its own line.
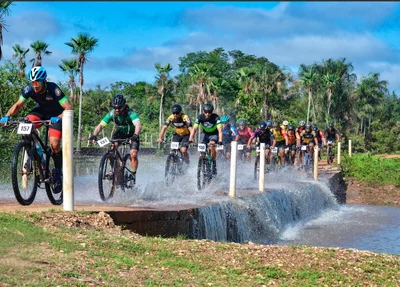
x=36 y=253
x=372 y=169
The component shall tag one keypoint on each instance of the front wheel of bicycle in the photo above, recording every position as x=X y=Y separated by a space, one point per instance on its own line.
x=24 y=173
x=55 y=196
x=106 y=178
x=170 y=170
x=329 y=155
x=202 y=173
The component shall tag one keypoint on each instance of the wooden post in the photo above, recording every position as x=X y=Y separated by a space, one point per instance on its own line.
x=349 y=148
x=232 y=183
x=338 y=153
x=261 y=183
x=316 y=162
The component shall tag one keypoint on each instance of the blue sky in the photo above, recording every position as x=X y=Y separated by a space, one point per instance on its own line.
x=135 y=35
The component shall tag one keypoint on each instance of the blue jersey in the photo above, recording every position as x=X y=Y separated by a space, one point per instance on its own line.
x=229 y=133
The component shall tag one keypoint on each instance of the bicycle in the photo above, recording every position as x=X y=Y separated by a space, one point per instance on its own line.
x=308 y=159
x=174 y=163
x=330 y=156
x=32 y=163
x=114 y=169
x=289 y=160
x=205 y=166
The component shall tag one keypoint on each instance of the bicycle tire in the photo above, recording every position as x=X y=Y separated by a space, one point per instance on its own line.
x=24 y=195
x=201 y=173
x=106 y=181
x=170 y=170
x=257 y=168
x=329 y=155
x=55 y=198
x=129 y=180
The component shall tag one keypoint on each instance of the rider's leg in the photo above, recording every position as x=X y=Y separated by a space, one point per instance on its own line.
x=185 y=153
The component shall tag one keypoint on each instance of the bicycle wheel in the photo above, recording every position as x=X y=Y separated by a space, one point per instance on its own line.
x=106 y=179
x=170 y=170
x=257 y=168
x=202 y=173
x=328 y=154
x=24 y=173
x=55 y=197
x=129 y=179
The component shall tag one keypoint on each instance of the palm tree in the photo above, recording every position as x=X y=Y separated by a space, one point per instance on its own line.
x=20 y=54
x=330 y=81
x=71 y=68
x=161 y=82
x=308 y=79
x=81 y=46
x=202 y=80
x=4 y=11
x=39 y=47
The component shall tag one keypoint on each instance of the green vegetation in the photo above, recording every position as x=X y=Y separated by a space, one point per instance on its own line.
x=372 y=169
x=50 y=249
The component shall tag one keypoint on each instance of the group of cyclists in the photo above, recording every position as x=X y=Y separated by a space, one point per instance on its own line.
x=216 y=130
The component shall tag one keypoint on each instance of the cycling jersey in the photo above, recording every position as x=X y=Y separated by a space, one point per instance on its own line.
x=278 y=134
x=264 y=136
x=319 y=135
x=291 y=135
x=300 y=129
x=124 y=122
x=49 y=101
x=245 y=135
x=229 y=133
x=209 y=125
x=331 y=134
x=307 y=137
x=181 y=125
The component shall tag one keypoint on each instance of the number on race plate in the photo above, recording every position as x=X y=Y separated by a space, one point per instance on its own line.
x=201 y=147
x=220 y=147
x=240 y=146
x=174 y=145
x=102 y=142
x=24 y=129
x=303 y=147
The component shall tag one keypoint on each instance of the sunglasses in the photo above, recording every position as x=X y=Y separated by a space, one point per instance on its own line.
x=36 y=84
x=176 y=113
x=207 y=112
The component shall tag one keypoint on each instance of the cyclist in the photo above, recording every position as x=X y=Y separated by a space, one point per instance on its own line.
x=212 y=131
x=332 y=134
x=263 y=135
x=127 y=125
x=320 y=138
x=183 y=129
x=308 y=137
x=230 y=134
x=51 y=103
x=291 y=142
x=245 y=133
x=279 y=141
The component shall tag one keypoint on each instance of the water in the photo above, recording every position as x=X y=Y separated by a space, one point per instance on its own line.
x=299 y=211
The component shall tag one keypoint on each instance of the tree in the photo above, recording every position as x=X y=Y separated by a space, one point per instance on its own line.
x=330 y=81
x=202 y=81
x=4 y=11
x=20 y=54
x=81 y=46
x=39 y=48
x=71 y=68
x=161 y=82
x=308 y=79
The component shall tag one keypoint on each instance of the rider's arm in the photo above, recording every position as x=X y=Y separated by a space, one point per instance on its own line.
x=67 y=107
x=219 y=128
x=298 y=139
x=164 y=128
x=337 y=136
x=16 y=108
x=250 y=140
x=98 y=129
x=195 y=127
x=138 y=127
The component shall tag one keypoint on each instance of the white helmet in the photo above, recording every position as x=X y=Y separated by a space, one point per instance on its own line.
x=285 y=123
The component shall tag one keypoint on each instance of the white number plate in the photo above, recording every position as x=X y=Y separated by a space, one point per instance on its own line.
x=24 y=129
x=174 y=145
x=329 y=142
x=201 y=147
x=287 y=149
x=303 y=147
x=274 y=150
x=102 y=142
x=258 y=149
x=240 y=146
x=220 y=147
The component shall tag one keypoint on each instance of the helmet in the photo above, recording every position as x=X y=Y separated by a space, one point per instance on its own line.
x=291 y=128
x=315 y=128
x=302 y=123
x=269 y=123
x=176 y=109
x=224 y=119
x=241 y=122
x=208 y=107
x=37 y=74
x=308 y=127
x=118 y=101
x=263 y=125
x=331 y=125
x=276 y=124
x=285 y=123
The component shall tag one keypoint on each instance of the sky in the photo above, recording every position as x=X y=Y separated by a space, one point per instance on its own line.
x=133 y=36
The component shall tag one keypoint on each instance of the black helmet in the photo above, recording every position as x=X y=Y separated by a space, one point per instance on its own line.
x=118 y=101
x=263 y=125
x=315 y=128
x=331 y=125
x=291 y=128
x=308 y=127
x=176 y=109
x=208 y=107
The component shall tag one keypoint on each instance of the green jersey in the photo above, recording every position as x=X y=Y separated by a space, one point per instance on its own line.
x=124 y=122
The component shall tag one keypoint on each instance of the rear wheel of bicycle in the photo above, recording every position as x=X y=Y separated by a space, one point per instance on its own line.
x=24 y=173
x=202 y=173
x=129 y=179
x=106 y=178
x=257 y=168
x=55 y=197
x=170 y=170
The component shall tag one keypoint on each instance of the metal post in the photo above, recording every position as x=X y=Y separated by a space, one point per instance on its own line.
x=68 y=152
x=232 y=183
x=316 y=162
x=261 y=182
x=338 y=153
x=349 y=148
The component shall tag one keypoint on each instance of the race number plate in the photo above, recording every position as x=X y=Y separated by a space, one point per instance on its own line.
x=240 y=146
x=201 y=147
x=24 y=129
x=287 y=149
x=258 y=148
x=303 y=147
x=102 y=142
x=329 y=142
x=220 y=147
x=174 y=145
x=274 y=150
